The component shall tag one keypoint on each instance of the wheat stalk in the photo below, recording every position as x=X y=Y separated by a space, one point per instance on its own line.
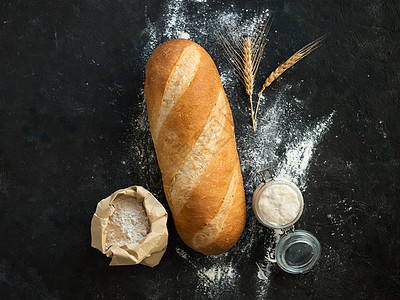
x=303 y=52
x=244 y=54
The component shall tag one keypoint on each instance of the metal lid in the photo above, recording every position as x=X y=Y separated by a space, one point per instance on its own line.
x=297 y=252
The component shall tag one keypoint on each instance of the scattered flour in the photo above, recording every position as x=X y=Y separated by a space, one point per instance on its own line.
x=263 y=271
x=299 y=153
x=176 y=20
x=216 y=273
x=283 y=140
x=147 y=157
x=217 y=279
x=277 y=133
x=182 y=253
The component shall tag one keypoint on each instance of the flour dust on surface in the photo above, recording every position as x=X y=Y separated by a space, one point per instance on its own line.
x=279 y=141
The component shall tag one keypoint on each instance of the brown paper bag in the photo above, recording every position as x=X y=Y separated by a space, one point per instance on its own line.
x=147 y=251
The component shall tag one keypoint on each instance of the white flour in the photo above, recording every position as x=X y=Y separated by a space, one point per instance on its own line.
x=215 y=274
x=299 y=152
x=263 y=271
x=128 y=224
x=175 y=20
x=283 y=140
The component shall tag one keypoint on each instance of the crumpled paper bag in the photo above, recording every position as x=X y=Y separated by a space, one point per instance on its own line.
x=147 y=251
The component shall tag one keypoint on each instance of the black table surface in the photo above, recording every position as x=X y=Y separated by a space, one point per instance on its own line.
x=74 y=129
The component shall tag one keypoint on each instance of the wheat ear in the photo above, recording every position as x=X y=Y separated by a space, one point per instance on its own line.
x=303 y=52
x=248 y=74
x=244 y=54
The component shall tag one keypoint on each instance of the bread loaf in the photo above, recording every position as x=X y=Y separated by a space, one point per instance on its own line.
x=192 y=129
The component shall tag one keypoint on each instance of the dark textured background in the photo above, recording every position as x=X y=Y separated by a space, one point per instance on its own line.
x=71 y=76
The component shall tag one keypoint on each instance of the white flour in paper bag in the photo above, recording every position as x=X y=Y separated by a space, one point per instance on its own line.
x=130 y=226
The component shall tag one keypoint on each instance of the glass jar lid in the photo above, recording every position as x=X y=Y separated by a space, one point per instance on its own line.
x=297 y=252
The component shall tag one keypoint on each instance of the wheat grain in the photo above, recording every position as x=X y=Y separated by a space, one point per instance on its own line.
x=303 y=52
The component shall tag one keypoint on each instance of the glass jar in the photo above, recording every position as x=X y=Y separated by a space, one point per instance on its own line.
x=296 y=251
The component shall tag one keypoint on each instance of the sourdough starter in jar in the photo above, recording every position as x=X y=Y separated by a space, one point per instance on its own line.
x=278 y=203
